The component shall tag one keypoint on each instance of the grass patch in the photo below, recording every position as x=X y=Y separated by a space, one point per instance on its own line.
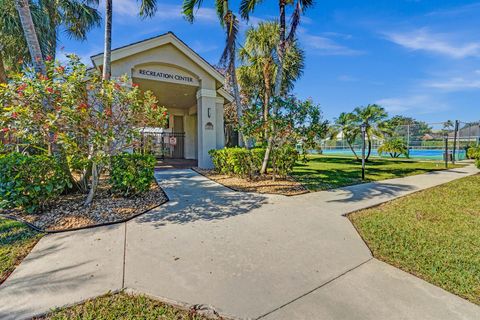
x=16 y=241
x=122 y=306
x=433 y=234
x=325 y=172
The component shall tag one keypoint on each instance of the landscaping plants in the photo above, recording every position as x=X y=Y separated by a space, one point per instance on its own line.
x=29 y=182
x=433 y=234
x=131 y=173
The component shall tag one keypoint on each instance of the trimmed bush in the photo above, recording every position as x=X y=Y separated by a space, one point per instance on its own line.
x=237 y=161
x=29 y=182
x=131 y=173
x=283 y=159
x=473 y=153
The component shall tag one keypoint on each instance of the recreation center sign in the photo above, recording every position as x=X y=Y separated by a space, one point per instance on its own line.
x=166 y=73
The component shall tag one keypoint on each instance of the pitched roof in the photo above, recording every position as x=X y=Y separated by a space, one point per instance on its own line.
x=153 y=42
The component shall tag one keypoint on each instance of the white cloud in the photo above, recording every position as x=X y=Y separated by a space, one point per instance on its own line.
x=439 y=43
x=325 y=46
x=419 y=103
x=454 y=84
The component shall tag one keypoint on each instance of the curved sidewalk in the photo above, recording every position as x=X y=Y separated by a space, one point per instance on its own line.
x=246 y=255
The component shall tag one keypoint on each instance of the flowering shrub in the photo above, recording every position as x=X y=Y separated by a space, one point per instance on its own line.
x=30 y=182
x=72 y=112
x=131 y=173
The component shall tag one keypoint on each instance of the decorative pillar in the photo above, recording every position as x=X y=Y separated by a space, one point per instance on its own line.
x=207 y=126
x=220 y=131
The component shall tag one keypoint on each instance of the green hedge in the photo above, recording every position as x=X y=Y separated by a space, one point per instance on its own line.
x=29 y=182
x=473 y=153
x=283 y=159
x=237 y=161
x=131 y=173
x=248 y=162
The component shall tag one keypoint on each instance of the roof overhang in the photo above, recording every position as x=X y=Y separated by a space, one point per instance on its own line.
x=151 y=43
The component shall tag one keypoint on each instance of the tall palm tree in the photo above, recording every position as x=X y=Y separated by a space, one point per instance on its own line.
x=77 y=17
x=347 y=126
x=372 y=116
x=229 y=22
x=147 y=9
x=258 y=71
x=23 y=8
x=285 y=40
x=13 y=47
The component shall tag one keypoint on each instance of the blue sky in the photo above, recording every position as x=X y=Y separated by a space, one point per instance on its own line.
x=414 y=57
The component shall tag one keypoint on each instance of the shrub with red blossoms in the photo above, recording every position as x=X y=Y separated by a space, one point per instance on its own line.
x=75 y=110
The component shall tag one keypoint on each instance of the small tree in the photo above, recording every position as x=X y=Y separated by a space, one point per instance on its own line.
x=90 y=118
x=395 y=147
x=296 y=122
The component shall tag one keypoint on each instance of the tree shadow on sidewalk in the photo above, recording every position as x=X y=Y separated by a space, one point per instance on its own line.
x=373 y=190
x=193 y=197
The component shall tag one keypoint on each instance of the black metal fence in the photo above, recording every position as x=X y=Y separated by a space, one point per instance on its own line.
x=164 y=144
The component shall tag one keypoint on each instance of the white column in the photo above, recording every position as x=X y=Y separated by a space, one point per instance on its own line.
x=220 y=131
x=207 y=126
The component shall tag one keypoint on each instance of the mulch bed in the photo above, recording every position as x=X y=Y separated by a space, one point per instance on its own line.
x=68 y=212
x=264 y=184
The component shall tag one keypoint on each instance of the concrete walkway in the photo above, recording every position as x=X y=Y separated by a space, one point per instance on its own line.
x=246 y=255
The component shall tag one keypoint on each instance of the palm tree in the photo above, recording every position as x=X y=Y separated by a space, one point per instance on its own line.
x=147 y=9
x=257 y=74
x=372 y=116
x=229 y=22
x=346 y=124
x=285 y=40
x=23 y=8
x=13 y=47
x=76 y=17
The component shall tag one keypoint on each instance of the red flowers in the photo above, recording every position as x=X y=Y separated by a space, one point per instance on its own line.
x=82 y=106
x=49 y=58
x=49 y=90
x=22 y=87
x=5 y=129
x=135 y=85
x=14 y=115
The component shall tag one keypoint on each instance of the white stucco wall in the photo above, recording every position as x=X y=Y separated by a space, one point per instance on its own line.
x=203 y=122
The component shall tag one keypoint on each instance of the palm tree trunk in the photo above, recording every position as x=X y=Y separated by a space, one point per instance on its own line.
x=31 y=38
x=107 y=52
x=278 y=81
x=280 y=50
x=353 y=150
x=238 y=102
x=369 y=148
x=3 y=73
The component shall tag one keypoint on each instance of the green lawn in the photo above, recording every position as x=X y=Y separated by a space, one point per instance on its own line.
x=434 y=234
x=326 y=172
x=16 y=241
x=121 y=306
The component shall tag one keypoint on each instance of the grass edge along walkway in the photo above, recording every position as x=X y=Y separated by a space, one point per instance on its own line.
x=329 y=172
x=432 y=234
x=16 y=241
x=124 y=306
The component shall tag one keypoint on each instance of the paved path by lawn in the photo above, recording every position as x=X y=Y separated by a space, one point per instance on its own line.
x=246 y=255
